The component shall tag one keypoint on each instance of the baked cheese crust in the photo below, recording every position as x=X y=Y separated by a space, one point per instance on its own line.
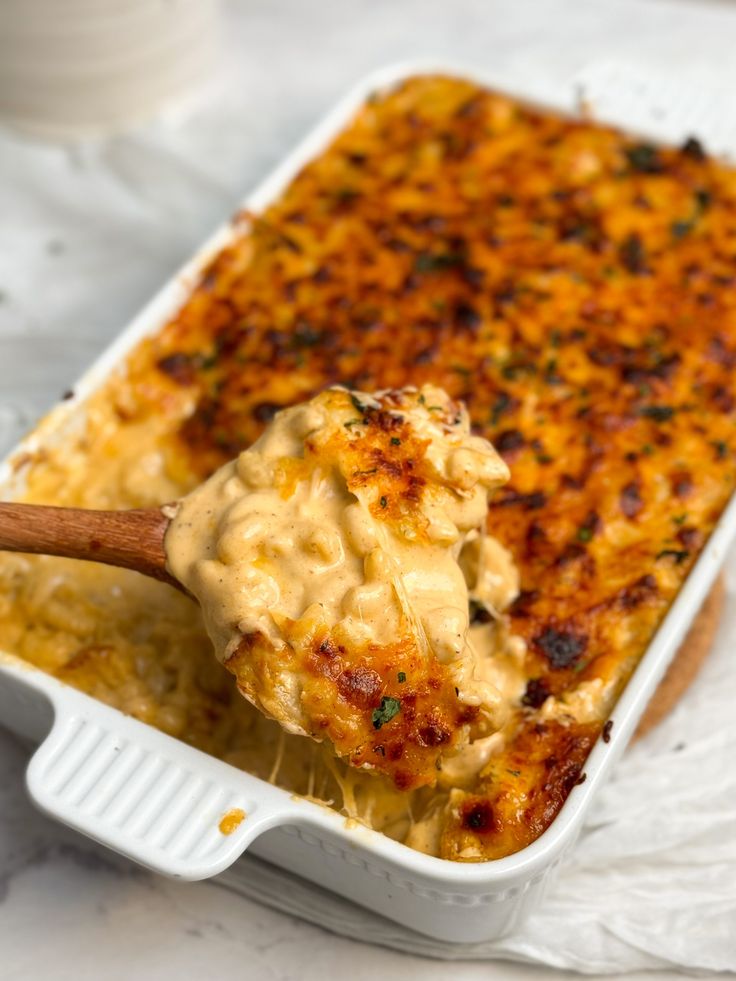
x=574 y=287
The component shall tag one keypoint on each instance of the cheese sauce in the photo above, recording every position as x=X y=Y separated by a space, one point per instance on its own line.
x=305 y=533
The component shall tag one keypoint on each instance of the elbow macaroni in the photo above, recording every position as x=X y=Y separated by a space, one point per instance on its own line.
x=325 y=559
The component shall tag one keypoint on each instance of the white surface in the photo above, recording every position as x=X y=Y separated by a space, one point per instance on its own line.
x=88 y=234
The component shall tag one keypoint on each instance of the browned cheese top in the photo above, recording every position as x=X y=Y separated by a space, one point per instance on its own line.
x=575 y=287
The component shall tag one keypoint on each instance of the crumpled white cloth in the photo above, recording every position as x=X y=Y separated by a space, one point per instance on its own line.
x=90 y=231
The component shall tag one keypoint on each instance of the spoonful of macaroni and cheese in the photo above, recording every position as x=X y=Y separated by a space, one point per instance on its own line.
x=334 y=561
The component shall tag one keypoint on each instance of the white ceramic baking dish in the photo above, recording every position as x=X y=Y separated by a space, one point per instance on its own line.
x=159 y=802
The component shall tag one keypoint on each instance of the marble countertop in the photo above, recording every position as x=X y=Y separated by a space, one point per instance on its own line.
x=100 y=226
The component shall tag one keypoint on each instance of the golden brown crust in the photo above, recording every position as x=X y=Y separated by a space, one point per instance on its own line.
x=385 y=707
x=573 y=286
x=576 y=288
x=525 y=787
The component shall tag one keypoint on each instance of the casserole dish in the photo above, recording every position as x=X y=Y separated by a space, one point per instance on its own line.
x=160 y=802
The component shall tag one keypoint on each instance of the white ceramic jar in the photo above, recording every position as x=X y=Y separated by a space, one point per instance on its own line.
x=76 y=68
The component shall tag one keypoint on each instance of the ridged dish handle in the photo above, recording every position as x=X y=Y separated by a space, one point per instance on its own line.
x=146 y=796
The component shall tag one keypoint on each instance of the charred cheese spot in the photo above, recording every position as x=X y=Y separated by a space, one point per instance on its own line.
x=477 y=816
x=360 y=686
x=536 y=693
x=562 y=648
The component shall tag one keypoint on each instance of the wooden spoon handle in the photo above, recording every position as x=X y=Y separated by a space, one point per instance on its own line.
x=130 y=539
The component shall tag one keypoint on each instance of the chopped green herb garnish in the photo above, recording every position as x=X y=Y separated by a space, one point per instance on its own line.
x=680 y=519
x=679 y=555
x=306 y=336
x=461 y=370
x=647 y=449
x=514 y=773
x=388 y=708
x=395 y=441
x=644 y=158
x=502 y=403
x=659 y=413
x=421 y=400
x=384 y=502
x=357 y=404
x=684 y=226
x=428 y=262
x=402 y=677
x=512 y=369
x=680 y=229
x=633 y=255
x=585 y=534
x=721 y=449
x=352 y=422
x=346 y=194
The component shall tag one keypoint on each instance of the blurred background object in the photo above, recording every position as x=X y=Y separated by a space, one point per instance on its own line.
x=77 y=68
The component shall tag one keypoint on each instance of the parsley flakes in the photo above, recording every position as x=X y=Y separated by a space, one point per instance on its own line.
x=679 y=555
x=388 y=708
x=644 y=158
x=659 y=413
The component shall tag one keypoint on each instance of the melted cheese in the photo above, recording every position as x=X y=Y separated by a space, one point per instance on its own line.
x=306 y=535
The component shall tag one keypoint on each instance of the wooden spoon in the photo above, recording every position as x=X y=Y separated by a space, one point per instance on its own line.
x=130 y=539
